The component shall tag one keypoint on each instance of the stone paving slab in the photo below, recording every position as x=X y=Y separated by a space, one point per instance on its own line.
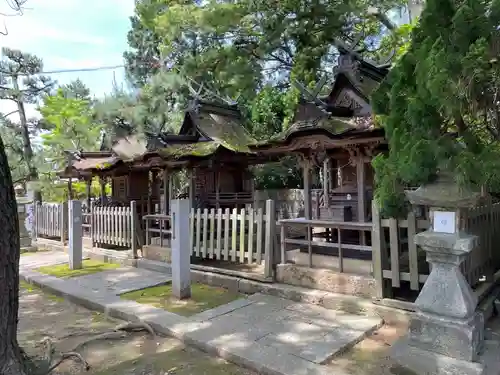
x=310 y=332
x=268 y=334
x=121 y=280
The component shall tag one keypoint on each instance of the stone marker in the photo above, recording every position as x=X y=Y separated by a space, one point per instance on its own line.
x=446 y=333
x=181 y=253
x=75 y=235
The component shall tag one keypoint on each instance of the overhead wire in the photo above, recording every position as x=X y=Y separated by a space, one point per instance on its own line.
x=80 y=70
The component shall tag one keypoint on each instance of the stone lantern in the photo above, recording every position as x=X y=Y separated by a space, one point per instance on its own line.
x=25 y=215
x=446 y=333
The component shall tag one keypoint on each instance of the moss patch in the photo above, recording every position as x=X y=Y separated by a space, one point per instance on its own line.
x=203 y=297
x=89 y=267
x=200 y=149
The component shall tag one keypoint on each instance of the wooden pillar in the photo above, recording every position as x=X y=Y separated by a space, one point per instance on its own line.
x=166 y=192
x=326 y=180
x=192 y=188
x=361 y=182
x=361 y=188
x=155 y=192
x=89 y=192
x=170 y=187
x=217 y=188
x=70 y=189
x=306 y=168
x=332 y=174
x=102 y=182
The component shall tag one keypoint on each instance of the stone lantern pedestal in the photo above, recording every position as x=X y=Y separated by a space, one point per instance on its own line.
x=446 y=333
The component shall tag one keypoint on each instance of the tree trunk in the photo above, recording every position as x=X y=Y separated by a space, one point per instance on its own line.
x=11 y=357
x=27 y=147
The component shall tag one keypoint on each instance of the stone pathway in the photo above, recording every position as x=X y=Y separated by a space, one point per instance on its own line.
x=268 y=334
x=42 y=258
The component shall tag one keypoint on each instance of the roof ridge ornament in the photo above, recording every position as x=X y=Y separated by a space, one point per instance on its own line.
x=311 y=96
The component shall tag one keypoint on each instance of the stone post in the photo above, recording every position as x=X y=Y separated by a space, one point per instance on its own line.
x=75 y=235
x=446 y=333
x=181 y=253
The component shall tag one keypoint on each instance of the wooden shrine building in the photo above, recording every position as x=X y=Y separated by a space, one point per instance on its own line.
x=212 y=145
x=337 y=135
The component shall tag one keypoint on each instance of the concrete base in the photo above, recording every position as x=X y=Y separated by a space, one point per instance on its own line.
x=423 y=362
x=327 y=280
x=157 y=253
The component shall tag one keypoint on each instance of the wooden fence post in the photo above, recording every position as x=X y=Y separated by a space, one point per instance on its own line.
x=377 y=250
x=35 y=220
x=269 y=255
x=133 y=228
x=63 y=214
x=92 y=224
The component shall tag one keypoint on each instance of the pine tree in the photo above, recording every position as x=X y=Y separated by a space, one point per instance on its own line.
x=21 y=82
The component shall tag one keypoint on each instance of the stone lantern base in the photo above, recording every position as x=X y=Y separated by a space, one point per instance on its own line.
x=460 y=339
x=425 y=362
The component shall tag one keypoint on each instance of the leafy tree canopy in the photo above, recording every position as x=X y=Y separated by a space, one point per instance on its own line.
x=69 y=116
x=239 y=47
x=446 y=84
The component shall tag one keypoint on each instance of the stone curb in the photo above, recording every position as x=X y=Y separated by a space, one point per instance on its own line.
x=263 y=359
x=328 y=300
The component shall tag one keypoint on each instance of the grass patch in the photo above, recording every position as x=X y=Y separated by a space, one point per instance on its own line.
x=30 y=288
x=203 y=297
x=27 y=286
x=89 y=266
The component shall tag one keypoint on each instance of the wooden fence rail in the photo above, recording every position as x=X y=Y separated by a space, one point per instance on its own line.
x=397 y=259
x=395 y=256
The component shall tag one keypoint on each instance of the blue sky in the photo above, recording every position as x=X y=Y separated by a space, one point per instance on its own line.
x=72 y=34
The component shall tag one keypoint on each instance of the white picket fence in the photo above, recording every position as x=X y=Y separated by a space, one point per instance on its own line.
x=50 y=220
x=113 y=226
x=237 y=236
x=104 y=226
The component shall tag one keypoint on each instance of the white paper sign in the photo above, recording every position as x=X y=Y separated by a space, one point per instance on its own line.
x=444 y=222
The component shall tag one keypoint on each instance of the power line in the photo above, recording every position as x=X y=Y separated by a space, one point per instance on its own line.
x=81 y=70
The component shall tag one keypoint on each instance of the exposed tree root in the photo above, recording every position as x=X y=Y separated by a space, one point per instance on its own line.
x=119 y=332
x=66 y=356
